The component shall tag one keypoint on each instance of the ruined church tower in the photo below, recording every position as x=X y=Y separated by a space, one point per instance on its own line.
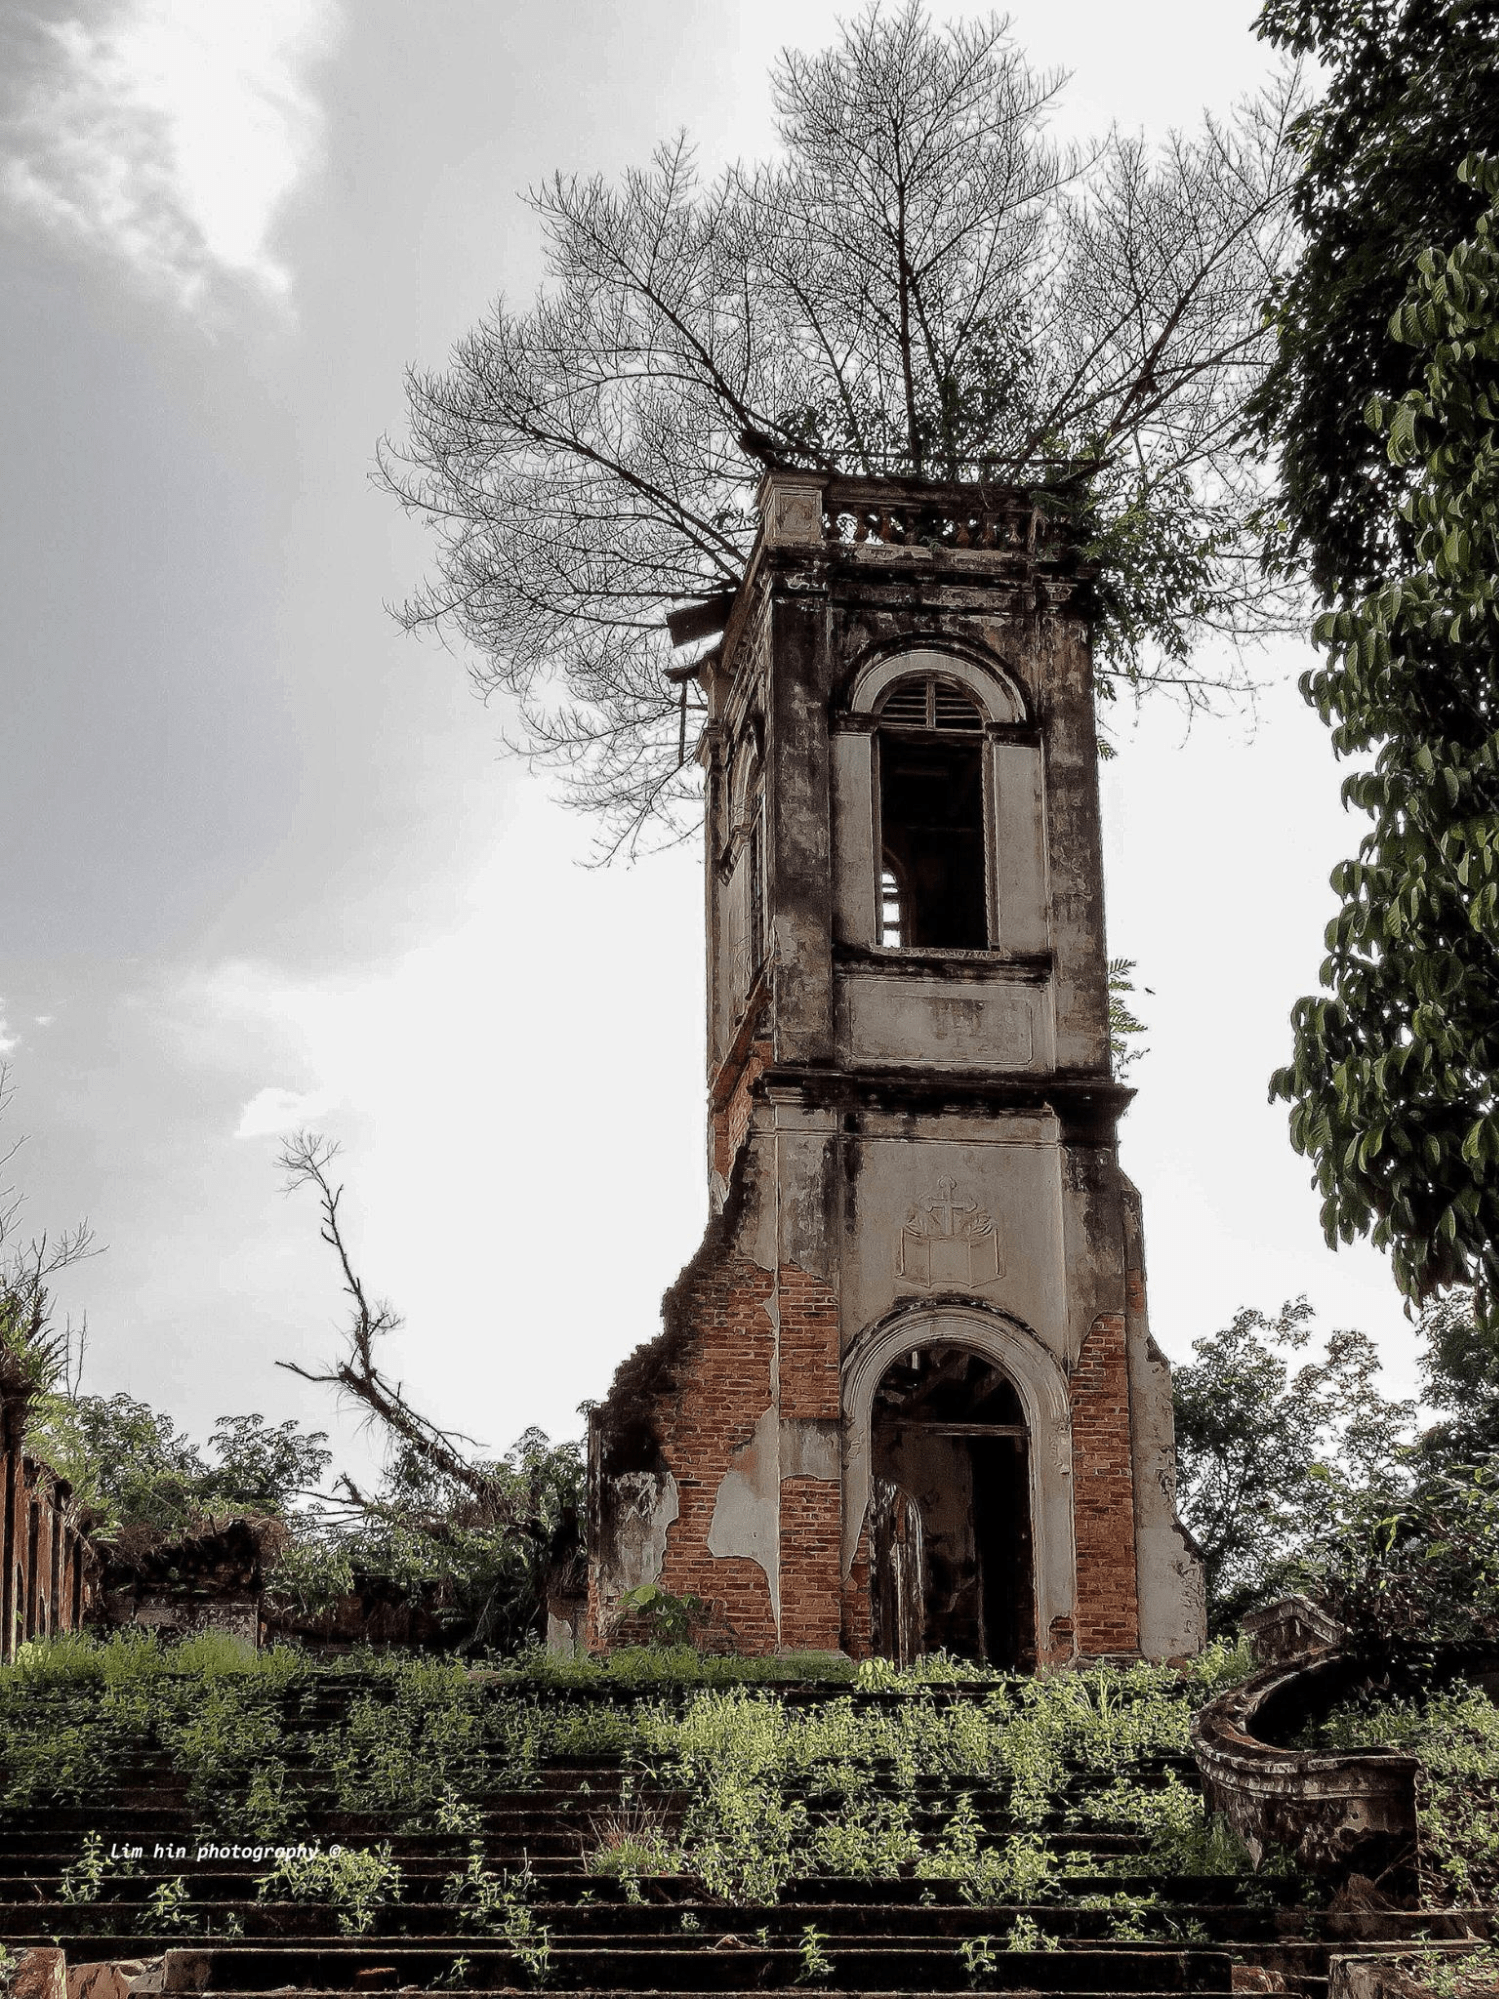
x=905 y=1396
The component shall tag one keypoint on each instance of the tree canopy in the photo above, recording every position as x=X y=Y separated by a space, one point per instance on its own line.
x=922 y=282
x=132 y=1467
x=1305 y=1477
x=1410 y=93
x=1382 y=409
x=1266 y=1454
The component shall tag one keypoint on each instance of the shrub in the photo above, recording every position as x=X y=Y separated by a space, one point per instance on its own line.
x=355 y=1884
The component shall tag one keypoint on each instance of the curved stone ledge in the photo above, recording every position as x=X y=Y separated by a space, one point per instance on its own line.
x=1337 y=1810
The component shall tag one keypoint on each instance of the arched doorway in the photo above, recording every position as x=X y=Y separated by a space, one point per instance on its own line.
x=950 y=1466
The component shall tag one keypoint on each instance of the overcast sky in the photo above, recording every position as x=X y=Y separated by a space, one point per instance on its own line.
x=266 y=863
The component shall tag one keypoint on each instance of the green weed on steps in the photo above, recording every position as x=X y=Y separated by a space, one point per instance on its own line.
x=763 y=1789
x=355 y=1884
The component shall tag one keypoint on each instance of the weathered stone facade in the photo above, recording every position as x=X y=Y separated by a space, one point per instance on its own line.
x=905 y=1394
x=49 y=1569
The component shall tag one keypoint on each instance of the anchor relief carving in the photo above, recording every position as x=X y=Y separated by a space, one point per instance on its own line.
x=949 y=1241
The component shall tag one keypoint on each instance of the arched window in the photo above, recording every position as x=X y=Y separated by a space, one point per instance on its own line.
x=930 y=742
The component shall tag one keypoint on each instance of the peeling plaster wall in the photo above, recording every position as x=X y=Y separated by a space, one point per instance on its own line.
x=726 y=1428
x=645 y=1508
x=1173 y=1609
x=747 y=1510
x=1008 y=1166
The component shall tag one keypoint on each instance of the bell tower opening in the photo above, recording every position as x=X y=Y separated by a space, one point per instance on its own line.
x=951 y=1537
x=932 y=817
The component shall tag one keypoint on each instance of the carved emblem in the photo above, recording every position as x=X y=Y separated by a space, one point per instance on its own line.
x=949 y=1241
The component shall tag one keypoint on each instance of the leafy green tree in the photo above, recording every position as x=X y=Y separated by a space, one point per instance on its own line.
x=1460 y=1374
x=482 y=1539
x=134 y=1467
x=263 y=1467
x=1382 y=408
x=126 y=1460
x=1393 y=1076
x=1266 y=1456
x=1410 y=94
x=484 y=1571
x=1405 y=1570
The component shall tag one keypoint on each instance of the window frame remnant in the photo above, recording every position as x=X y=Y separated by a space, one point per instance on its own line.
x=892 y=905
x=922 y=708
x=746 y=847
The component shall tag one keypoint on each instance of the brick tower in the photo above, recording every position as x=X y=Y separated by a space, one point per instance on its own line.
x=905 y=1395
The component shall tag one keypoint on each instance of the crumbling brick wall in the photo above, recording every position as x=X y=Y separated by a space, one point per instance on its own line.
x=724 y=1388
x=678 y=1410
x=811 y=1505
x=732 y=1104
x=743 y=1378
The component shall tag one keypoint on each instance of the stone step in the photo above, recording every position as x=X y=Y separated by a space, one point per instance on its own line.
x=432 y=1921
x=427 y=1872
x=728 y=1962
x=897 y=1936
x=801 y=1991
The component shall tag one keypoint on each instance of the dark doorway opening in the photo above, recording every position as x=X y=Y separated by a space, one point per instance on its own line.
x=949 y=1465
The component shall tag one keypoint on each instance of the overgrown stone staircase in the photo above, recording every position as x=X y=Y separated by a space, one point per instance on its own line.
x=181 y=1924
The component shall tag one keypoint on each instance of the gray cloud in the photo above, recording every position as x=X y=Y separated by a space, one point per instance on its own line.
x=167 y=136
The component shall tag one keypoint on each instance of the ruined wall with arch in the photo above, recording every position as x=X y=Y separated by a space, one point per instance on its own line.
x=49 y=1569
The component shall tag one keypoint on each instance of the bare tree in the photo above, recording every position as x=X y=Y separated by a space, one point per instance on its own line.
x=922 y=283
x=305 y=1159
x=503 y=1532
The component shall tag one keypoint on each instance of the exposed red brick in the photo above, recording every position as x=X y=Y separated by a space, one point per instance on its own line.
x=1107 y=1618
x=731 y=1100
x=810 y=1534
x=809 y=1347
x=854 y=1620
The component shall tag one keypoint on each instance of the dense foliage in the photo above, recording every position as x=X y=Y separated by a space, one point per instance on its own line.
x=483 y=1572
x=1069 y=1795
x=1382 y=407
x=1266 y=1454
x=1309 y=1479
x=1410 y=93
x=1453 y=1735
x=1410 y=1565
x=1460 y=1374
x=132 y=1467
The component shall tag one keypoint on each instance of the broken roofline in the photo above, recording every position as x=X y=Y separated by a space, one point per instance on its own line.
x=1012 y=518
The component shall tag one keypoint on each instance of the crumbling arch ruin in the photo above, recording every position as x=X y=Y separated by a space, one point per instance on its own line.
x=1042 y=1389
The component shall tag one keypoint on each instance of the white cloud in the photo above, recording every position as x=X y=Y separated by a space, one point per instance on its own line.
x=522 y=1140
x=8 y=1041
x=168 y=134
x=276 y=1110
